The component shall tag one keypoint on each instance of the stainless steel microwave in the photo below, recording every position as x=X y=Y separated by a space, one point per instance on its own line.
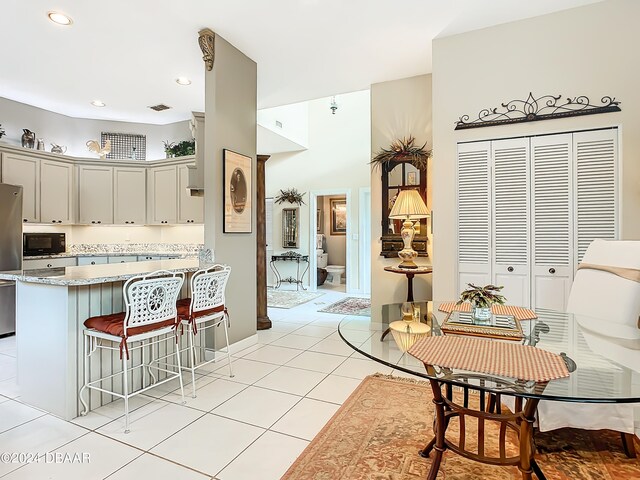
x=43 y=244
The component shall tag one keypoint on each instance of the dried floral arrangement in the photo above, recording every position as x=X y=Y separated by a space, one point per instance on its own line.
x=291 y=195
x=401 y=151
x=482 y=297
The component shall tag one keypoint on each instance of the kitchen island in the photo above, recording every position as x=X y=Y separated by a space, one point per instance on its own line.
x=51 y=307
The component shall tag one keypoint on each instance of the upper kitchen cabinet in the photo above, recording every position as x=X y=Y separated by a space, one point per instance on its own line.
x=56 y=192
x=95 y=194
x=24 y=170
x=130 y=196
x=162 y=204
x=190 y=209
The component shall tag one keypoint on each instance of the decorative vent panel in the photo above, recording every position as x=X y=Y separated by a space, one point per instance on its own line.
x=123 y=145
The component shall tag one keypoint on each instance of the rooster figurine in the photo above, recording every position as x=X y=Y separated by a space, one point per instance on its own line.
x=94 y=146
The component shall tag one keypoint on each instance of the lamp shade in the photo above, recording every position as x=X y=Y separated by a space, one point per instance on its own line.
x=409 y=204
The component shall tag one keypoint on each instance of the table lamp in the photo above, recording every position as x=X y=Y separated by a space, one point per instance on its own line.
x=409 y=330
x=409 y=207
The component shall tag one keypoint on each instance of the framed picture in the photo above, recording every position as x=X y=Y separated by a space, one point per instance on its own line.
x=338 y=216
x=319 y=221
x=412 y=178
x=237 y=192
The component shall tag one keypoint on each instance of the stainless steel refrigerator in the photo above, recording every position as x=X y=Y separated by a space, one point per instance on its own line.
x=10 y=252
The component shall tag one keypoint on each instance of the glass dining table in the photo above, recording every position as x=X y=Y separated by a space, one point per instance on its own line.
x=596 y=355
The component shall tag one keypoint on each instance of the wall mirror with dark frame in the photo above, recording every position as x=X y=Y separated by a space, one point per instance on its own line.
x=290 y=227
x=397 y=176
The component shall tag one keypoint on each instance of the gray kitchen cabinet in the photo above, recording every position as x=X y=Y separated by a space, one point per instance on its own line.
x=123 y=259
x=48 y=263
x=92 y=260
x=95 y=194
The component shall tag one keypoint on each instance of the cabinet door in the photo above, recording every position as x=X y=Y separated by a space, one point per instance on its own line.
x=48 y=263
x=190 y=209
x=474 y=225
x=123 y=259
x=130 y=196
x=510 y=216
x=596 y=155
x=162 y=195
x=25 y=171
x=56 y=192
x=552 y=223
x=95 y=194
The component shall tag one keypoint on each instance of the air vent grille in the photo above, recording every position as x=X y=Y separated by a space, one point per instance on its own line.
x=160 y=107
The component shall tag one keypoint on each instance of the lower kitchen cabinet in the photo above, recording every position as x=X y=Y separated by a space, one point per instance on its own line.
x=93 y=260
x=48 y=263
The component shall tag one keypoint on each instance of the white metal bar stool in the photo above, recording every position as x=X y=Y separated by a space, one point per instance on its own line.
x=204 y=310
x=150 y=314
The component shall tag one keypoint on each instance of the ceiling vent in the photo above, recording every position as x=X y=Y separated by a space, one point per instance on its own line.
x=160 y=107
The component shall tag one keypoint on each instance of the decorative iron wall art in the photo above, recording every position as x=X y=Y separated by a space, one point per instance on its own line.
x=532 y=109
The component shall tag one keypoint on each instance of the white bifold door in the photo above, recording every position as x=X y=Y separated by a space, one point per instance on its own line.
x=529 y=207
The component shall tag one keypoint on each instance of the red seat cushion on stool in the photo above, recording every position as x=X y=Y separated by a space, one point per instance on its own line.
x=183 y=310
x=113 y=324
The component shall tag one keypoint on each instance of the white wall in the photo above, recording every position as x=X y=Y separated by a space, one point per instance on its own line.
x=337 y=158
x=399 y=108
x=583 y=51
x=294 y=119
x=74 y=132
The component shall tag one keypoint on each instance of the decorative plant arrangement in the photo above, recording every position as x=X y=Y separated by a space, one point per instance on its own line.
x=482 y=296
x=2 y=132
x=401 y=151
x=291 y=195
x=180 y=149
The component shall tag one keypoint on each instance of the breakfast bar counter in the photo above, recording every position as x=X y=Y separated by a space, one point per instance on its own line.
x=51 y=307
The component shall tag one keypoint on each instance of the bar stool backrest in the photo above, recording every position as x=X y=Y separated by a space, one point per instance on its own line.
x=208 y=287
x=151 y=298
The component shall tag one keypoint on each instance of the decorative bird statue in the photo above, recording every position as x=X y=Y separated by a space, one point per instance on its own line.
x=94 y=146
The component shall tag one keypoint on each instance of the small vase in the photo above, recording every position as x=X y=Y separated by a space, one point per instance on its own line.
x=481 y=315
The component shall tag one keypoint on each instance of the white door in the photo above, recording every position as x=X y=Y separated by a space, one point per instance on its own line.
x=552 y=222
x=56 y=192
x=162 y=199
x=596 y=154
x=190 y=209
x=95 y=194
x=130 y=196
x=24 y=171
x=510 y=216
x=474 y=225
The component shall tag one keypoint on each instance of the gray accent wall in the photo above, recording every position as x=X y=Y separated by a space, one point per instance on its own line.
x=230 y=123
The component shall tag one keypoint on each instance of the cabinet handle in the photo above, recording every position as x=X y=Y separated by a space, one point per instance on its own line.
x=93 y=263
x=132 y=222
x=24 y=220
x=93 y=221
x=99 y=221
x=510 y=269
x=552 y=271
x=49 y=265
x=126 y=221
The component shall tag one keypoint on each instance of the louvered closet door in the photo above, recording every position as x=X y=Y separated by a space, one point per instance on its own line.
x=474 y=226
x=552 y=220
x=510 y=200
x=596 y=155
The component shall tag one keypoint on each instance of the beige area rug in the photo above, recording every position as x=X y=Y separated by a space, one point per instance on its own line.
x=289 y=298
x=350 y=306
x=378 y=431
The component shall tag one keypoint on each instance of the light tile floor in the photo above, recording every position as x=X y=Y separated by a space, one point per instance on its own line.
x=253 y=425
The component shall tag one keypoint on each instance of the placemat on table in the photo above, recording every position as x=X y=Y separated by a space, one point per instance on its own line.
x=522 y=362
x=520 y=313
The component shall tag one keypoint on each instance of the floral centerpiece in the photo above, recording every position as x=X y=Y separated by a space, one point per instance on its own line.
x=481 y=299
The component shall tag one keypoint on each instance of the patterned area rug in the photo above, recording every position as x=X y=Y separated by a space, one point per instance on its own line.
x=350 y=306
x=289 y=298
x=378 y=431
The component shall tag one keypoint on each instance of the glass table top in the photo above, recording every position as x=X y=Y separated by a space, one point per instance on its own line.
x=598 y=356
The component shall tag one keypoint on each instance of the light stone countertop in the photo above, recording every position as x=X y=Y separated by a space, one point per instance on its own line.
x=93 y=274
x=112 y=254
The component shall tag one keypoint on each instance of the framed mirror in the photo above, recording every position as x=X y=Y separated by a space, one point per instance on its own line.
x=290 y=227
x=397 y=176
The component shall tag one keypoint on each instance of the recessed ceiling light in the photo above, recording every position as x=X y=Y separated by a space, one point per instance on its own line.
x=59 y=18
x=98 y=103
x=183 y=81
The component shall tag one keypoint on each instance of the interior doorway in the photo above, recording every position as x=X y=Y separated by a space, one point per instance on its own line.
x=331 y=226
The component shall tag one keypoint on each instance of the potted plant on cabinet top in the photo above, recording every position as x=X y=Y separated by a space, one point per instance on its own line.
x=481 y=299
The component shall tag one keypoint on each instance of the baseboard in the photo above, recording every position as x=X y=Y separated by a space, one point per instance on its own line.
x=233 y=348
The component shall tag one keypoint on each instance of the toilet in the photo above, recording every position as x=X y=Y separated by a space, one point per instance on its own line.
x=336 y=272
